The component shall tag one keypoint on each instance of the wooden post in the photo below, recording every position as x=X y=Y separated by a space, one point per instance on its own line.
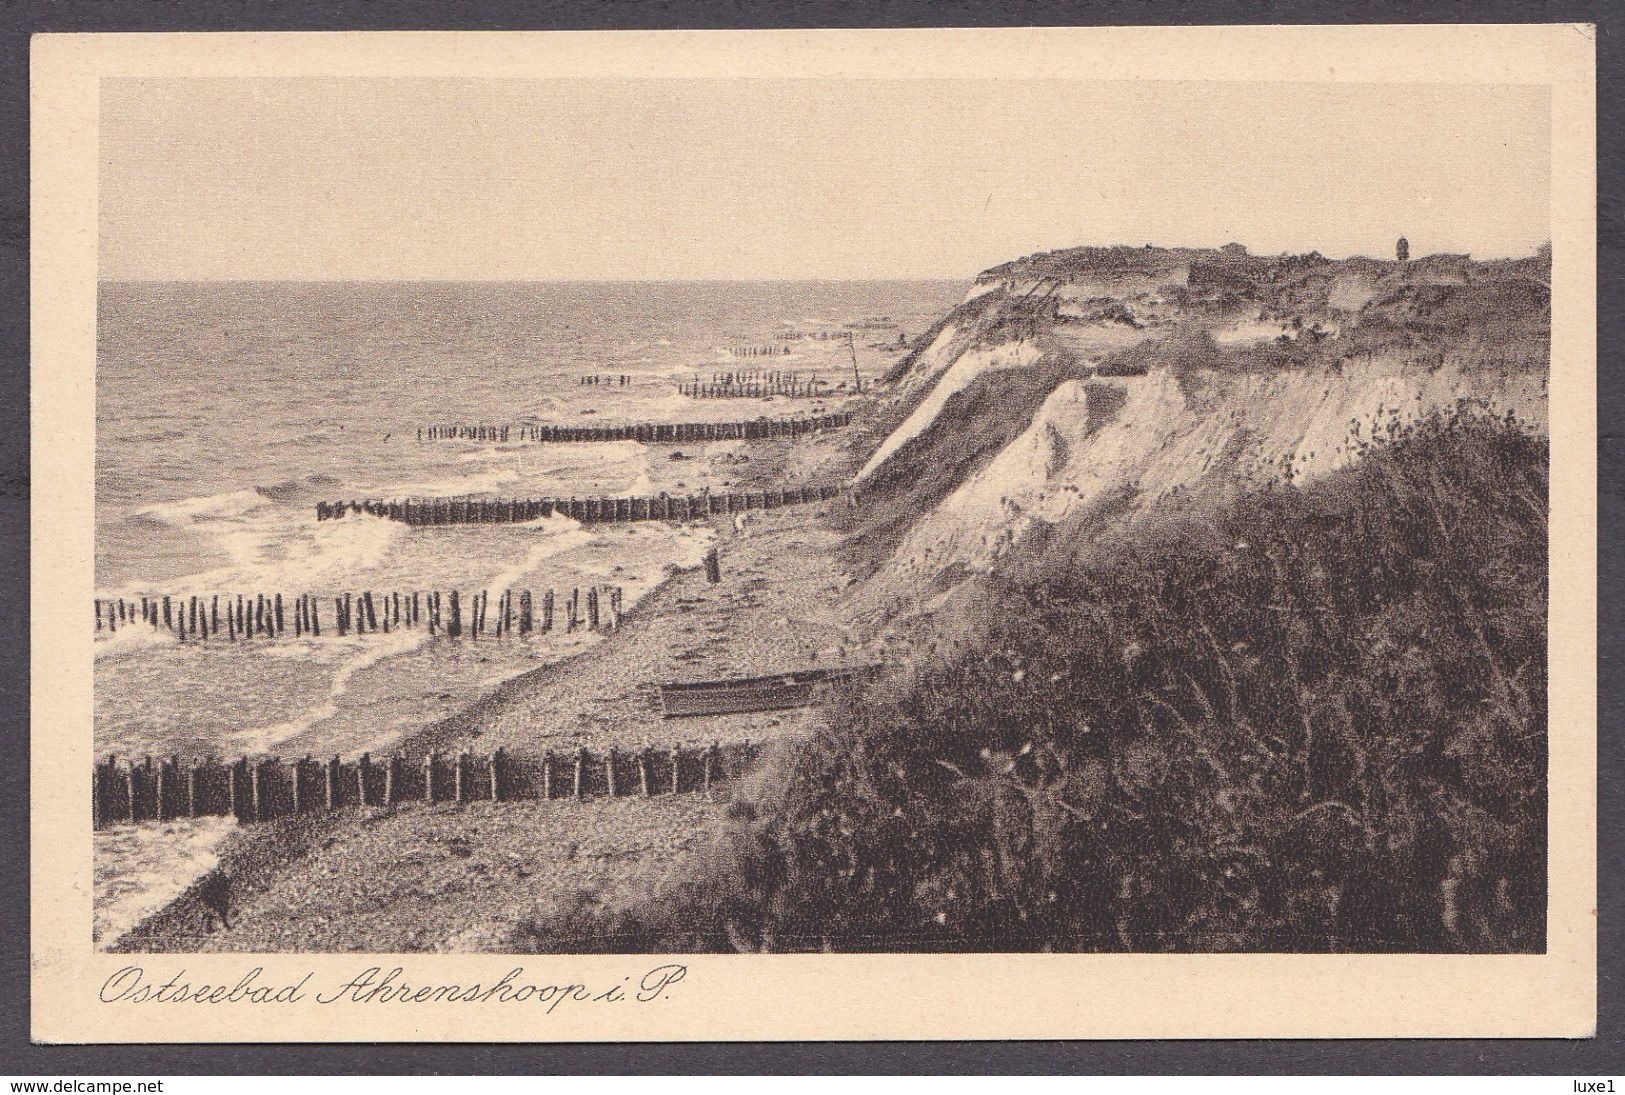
x=363 y=768
x=609 y=771
x=333 y=782
x=236 y=792
x=259 y=808
x=581 y=771
x=428 y=777
x=712 y=756
x=676 y=768
x=645 y=764
x=161 y=804
x=194 y=789
x=97 y=779
x=301 y=801
x=392 y=780
x=460 y=783
x=547 y=774
x=496 y=775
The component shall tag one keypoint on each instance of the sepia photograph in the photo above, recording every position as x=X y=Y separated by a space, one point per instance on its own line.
x=745 y=514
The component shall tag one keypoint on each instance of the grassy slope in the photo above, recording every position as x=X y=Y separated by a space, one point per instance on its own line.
x=1314 y=719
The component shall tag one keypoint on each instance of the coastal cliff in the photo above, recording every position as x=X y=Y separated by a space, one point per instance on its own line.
x=1212 y=589
x=1079 y=390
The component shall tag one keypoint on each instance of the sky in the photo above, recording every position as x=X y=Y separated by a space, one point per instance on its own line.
x=459 y=179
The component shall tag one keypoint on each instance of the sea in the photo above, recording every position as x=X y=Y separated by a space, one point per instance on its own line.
x=226 y=410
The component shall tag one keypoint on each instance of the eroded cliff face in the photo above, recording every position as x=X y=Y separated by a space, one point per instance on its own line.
x=1135 y=442
x=1180 y=375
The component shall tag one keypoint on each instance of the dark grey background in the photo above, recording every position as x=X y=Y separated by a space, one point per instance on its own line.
x=20 y=19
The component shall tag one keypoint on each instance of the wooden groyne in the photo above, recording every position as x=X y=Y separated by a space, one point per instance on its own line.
x=653 y=433
x=814 y=336
x=255 y=789
x=658 y=507
x=758 y=351
x=618 y=380
x=463 y=432
x=239 y=617
x=757 y=385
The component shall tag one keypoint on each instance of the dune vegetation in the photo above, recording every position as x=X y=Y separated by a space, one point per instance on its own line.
x=1310 y=718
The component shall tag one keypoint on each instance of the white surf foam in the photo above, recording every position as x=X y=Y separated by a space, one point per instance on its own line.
x=141 y=868
x=372 y=649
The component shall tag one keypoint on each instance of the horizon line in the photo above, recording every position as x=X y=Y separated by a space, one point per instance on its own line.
x=1489 y=256
x=510 y=281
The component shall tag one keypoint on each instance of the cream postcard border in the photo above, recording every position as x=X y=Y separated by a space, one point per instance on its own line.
x=806 y=996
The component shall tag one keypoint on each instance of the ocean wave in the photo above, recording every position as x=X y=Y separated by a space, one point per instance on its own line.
x=553 y=522
x=484 y=482
x=186 y=511
x=141 y=868
x=591 y=459
x=370 y=651
x=133 y=638
x=673 y=402
x=283 y=550
x=374 y=649
x=297 y=490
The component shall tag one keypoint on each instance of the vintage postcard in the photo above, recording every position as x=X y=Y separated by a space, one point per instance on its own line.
x=769 y=535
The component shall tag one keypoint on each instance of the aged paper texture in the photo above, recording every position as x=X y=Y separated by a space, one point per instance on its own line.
x=814 y=535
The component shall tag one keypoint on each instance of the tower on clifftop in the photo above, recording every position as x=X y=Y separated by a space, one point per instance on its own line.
x=1402 y=249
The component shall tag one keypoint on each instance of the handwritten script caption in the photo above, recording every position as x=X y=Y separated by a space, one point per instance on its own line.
x=376 y=985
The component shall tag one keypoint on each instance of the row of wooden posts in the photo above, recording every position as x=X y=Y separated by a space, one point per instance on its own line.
x=756 y=386
x=758 y=351
x=618 y=380
x=815 y=336
x=262 y=789
x=499 y=511
x=463 y=432
x=757 y=376
x=648 y=432
x=260 y=615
